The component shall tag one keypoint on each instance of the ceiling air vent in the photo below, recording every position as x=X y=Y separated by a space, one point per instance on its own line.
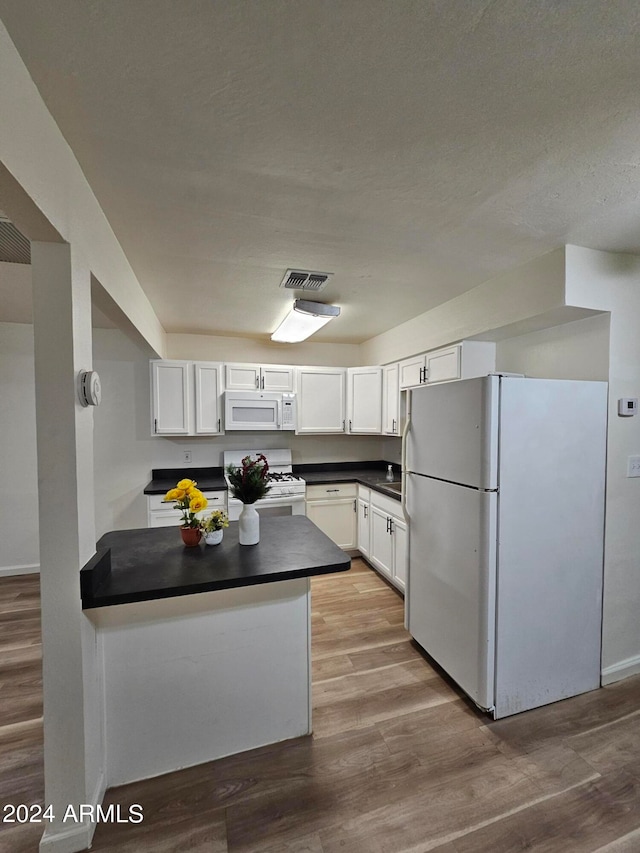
x=305 y=280
x=14 y=246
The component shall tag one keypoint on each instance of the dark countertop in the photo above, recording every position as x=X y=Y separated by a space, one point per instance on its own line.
x=152 y=563
x=163 y=479
x=374 y=478
x=370 y=474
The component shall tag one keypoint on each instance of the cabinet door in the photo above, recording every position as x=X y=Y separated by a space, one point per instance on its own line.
x=208 y=384
x=276 y=377
x=336 y=518
x=364 y=399
x=242 y=377
x=399 y=535
x=411 y=372
x=170 y=395
x=364 y=510
x=381 y=546
x=321 y=400
x=444 y=364
x=391 y=399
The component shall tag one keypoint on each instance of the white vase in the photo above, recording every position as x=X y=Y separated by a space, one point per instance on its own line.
x=213 y=537
x=249 y=532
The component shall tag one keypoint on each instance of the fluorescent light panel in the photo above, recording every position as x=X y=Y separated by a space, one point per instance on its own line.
x=304 y=319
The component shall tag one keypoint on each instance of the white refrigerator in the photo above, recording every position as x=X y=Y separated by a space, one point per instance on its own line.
x=504 y=484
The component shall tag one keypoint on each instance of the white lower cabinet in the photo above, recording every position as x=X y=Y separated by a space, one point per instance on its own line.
x=333 y=508
x=164 y=515
x=364 y=517
x=388 y=550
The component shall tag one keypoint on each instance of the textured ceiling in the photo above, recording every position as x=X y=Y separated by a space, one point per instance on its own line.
x=414 y=149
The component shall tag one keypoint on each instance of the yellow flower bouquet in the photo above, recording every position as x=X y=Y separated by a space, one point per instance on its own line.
x=188 y=498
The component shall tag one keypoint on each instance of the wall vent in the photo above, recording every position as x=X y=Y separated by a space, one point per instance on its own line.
x=14 y=246
x=305 y=280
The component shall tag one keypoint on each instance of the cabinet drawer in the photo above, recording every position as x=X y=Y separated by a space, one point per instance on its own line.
x=216 y=499
x=388 y=505
x=364 y=493
x=332 y=490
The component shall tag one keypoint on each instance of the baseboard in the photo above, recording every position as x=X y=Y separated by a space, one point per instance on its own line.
x=618 y=671
x=10 y=571
x=79 y=836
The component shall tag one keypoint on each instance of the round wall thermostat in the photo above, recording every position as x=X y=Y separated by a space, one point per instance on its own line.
x=89 y=389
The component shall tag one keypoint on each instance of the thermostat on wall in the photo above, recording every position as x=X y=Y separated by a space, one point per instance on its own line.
x=89 y=389
x=628 y=406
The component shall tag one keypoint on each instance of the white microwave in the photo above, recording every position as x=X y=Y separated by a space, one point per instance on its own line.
x=259 y=410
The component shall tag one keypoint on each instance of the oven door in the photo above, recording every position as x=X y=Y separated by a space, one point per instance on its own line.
x=252 y=410
x=282 y=505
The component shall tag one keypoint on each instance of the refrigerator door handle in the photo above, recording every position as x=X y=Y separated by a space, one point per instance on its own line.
x=403 y=466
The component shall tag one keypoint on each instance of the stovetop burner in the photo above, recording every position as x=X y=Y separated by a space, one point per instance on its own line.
x=281 y=477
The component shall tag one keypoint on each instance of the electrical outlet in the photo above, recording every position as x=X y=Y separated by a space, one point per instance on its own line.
x=186 y=457
x=633 y=466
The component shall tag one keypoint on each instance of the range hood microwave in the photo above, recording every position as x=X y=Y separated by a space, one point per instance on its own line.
x=259 y=410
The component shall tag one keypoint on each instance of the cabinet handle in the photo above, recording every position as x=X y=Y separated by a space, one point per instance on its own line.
x=349 y=426
x=218 y=424
x=393 y=426
x=388 y=520
x=262 y=383
x=391 y=531
x=343 y=427
x=258 y=382
x=155 y=425
x=332 y=490
x=355 y=506
x=365 y=509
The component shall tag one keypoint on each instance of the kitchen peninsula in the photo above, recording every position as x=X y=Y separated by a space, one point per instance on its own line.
x=205 y=651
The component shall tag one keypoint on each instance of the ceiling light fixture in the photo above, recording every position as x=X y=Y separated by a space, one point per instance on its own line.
x=304 y=319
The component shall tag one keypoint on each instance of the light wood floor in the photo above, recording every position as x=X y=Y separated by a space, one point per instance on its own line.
x=399 y=762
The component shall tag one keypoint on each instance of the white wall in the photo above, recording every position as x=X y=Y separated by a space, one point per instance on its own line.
x=534 y=289
x=123 y=446
x=611 y=282
x=167 y=452
x=222 y=348
x=578 y=350
x=18 y=462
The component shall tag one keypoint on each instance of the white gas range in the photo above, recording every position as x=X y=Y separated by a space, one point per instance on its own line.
x=287 y=493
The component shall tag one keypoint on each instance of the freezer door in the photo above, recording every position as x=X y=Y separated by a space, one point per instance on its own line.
x=551 y=523
x=451 y=590
x=453 y=431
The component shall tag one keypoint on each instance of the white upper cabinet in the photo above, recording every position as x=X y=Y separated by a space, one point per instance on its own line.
x=321 y=399
x=170 y=397
x=364 y=399
x=411 y=371
x=208 y=397
x=444 y=364
x=460 y=361
x=186 y=398
x=260 y=377
x=391 y=399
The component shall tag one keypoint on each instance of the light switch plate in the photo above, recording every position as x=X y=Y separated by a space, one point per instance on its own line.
x=633 y=466
x=186 y=457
